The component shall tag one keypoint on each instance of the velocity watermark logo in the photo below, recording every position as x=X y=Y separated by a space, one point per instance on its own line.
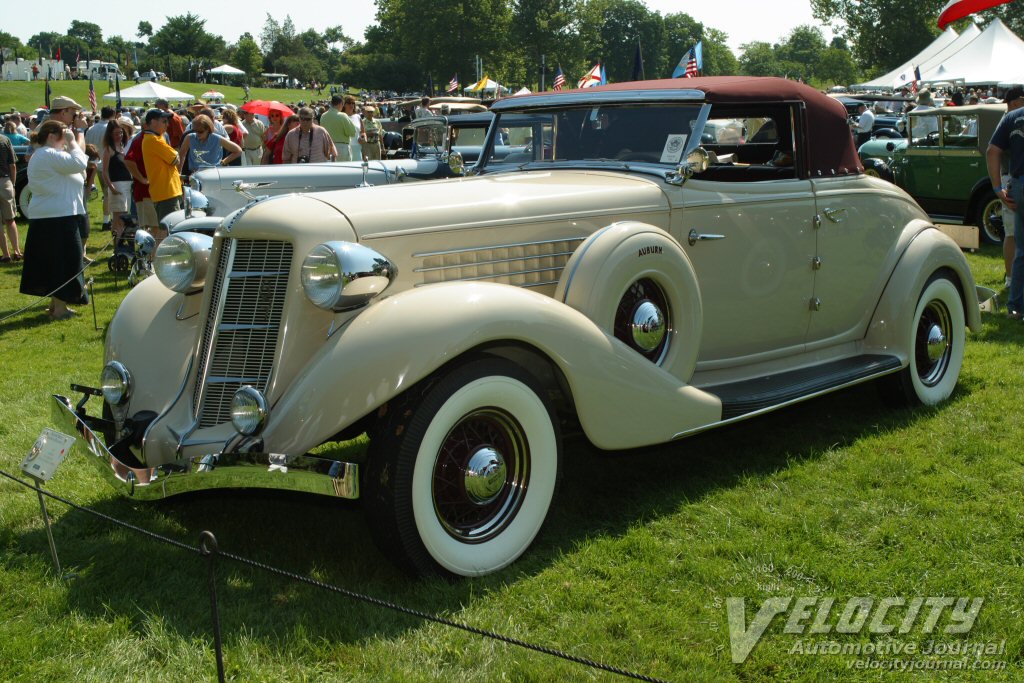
x=817 y=617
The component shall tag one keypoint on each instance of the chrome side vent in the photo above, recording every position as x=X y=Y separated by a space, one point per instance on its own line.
x=526 y=264
x=240 y=339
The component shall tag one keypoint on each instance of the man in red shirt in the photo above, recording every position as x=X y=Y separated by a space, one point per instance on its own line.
x=175 y=127
x=140 y=188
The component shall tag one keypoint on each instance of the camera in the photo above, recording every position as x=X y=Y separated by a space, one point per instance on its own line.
x=303 y=159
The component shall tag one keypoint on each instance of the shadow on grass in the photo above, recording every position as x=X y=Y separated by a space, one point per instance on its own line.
x=603 y=494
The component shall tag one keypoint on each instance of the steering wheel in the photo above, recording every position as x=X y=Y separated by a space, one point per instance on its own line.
x=933 y=138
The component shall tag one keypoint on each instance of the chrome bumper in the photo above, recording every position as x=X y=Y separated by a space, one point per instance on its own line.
x=303 y=473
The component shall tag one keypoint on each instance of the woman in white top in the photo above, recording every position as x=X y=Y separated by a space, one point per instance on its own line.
x=53 y=247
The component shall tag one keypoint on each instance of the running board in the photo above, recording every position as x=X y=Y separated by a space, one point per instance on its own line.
x=751 y=396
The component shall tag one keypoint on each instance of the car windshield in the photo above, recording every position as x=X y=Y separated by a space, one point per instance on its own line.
x=655 y=134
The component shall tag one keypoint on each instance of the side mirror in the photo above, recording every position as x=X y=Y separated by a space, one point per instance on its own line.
x=697 y=161
x=456 y=164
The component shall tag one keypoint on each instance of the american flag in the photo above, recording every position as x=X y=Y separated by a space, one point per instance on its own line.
x=453 y=84
x=691 y=66
x=92 y=94
x=559 y=80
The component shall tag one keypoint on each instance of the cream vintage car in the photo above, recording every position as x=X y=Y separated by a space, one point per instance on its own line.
x=613 y=274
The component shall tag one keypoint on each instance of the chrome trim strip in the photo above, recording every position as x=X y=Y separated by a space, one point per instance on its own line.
x=474 y=264
x=257 y=273
x=237 y=327
x=212 y=379
x=305 y=473
x=597 y=97
x=427 y=254
x=784 y=404
x=568 y=282
x=212 y=320
x=170 y=406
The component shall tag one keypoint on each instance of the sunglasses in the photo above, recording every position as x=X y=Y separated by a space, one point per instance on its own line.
x=305 y=118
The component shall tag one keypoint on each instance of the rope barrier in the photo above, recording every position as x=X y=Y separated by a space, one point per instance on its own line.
x=68 y=281
x=209 y=548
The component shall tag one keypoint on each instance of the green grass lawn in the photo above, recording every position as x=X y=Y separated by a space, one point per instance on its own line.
x=28 y=96
x=838 y=497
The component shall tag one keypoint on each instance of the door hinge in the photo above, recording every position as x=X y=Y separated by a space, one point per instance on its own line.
x=815 y=304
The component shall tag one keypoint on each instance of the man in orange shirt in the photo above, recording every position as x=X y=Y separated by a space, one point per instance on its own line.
x=175 y=127
x=161 y=165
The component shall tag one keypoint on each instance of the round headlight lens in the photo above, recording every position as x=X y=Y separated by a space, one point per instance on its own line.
x=248 y=411
x=181 y=259
x=116 y=383
x=321 y=276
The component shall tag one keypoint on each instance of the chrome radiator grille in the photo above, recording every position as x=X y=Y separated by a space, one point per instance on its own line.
x=240 y=337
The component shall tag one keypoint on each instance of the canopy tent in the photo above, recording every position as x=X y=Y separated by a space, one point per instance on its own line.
x=887 y=81
x=149 y=90
x=996 y=55
x=522 y=91
x=486 y=85
x=225 y=69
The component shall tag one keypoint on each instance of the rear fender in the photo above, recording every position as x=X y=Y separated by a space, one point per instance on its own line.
x=929 y=252
x=622 y=400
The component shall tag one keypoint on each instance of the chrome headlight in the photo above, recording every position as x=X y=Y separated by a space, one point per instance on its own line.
x=196 y=199
x=340 y=276
x=144 y=243
x=116 y=383
x=196 y=183
x=248 y=411
x=181 y=261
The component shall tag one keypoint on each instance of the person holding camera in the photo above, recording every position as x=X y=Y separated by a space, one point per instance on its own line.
x=371 y=136
x=69 y=114
x=309 y=143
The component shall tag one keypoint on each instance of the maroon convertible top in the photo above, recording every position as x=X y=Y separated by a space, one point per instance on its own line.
x=829 y=142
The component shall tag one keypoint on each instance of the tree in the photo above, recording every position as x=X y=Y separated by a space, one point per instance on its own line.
x=187 y=35
x=145 y=29
x=87 y=32
x=884 y=33
x=545 y=28
x=270 y=33
x=835 y=67
x=803 y=47
x=718 y=58
x=759 y=59
x=305 y=68
x=247 y=55
x=9 y=41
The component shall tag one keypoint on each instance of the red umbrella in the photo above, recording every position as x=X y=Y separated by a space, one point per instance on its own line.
x=264 y=107
x=958 y=9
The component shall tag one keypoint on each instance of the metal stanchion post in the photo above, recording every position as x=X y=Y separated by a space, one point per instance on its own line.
x=92 y=298
x=49 y=531
x=208 y=548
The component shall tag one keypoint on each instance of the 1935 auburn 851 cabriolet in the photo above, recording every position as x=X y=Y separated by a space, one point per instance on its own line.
x=613 y=274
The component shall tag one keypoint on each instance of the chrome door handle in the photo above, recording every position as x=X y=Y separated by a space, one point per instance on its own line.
x=695 y=237
x=832 y=214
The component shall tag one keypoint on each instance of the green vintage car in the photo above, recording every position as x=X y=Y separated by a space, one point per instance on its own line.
x=942 y=165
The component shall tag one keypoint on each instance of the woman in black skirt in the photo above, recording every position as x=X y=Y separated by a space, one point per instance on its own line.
x=53 y=247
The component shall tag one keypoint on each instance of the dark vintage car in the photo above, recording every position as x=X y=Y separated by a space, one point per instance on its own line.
x=21 y=181
x=942 y=165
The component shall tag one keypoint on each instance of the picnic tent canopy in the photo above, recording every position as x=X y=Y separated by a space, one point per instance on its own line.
x=226 y=69
x=995 y=56
x=937 y=46
x=485 y=85
x=150 y=91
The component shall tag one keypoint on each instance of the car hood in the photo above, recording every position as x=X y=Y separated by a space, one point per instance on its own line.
x=299 y=177
x=490 y=201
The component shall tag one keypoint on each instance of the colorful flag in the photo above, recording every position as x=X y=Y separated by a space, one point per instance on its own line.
x=46 y=95
x=958 y=9
x=453 y=84
x=559 y=79
x=691 y=63
x=58 y=53
x=591 y=78
x=117 y=85
x=92 y=94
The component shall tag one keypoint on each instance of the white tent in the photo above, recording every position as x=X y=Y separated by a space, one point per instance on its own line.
x=522 y=91
x=995 y=56
x=487 y=85
x=939 y=46
x=149 y=91
x=226 y=69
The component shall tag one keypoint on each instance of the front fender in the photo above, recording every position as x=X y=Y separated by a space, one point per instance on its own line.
x=147 y=336
x=622 y=400
x=930 y=251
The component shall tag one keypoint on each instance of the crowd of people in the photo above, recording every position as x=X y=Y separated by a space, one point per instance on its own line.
x=139 y=158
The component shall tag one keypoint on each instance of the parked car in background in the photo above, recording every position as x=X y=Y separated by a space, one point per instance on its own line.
x=942 y=165
x=426 y=154
x=605 y=279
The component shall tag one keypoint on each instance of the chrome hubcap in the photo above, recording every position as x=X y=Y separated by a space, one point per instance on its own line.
x=481 y=475
x=932 y=348
x=485 y=475
x=992 y=221
x=643 y=320
x=648 y=326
